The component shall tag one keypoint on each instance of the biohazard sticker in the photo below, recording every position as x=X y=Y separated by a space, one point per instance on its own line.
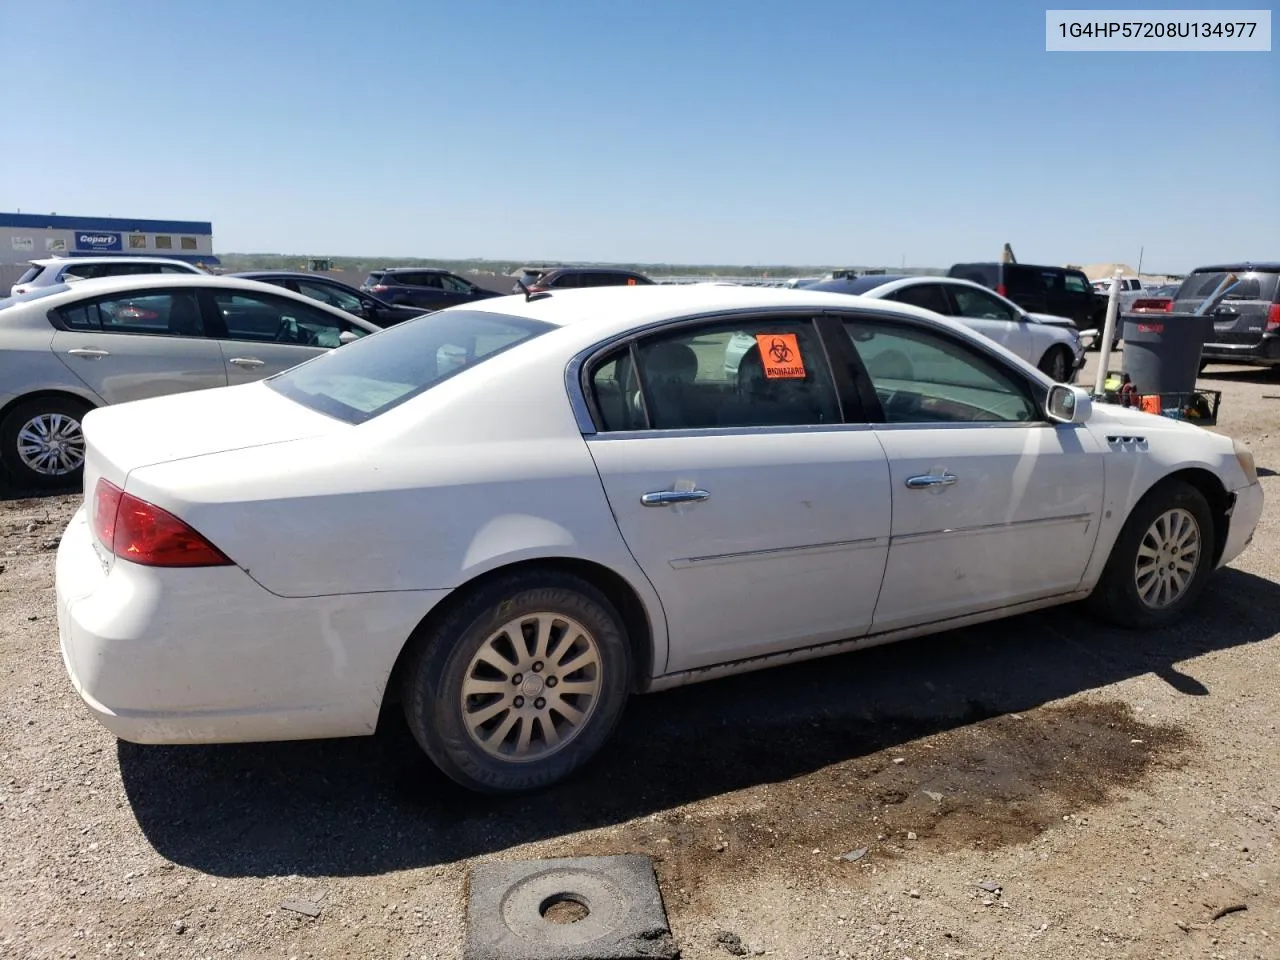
x=780 y=354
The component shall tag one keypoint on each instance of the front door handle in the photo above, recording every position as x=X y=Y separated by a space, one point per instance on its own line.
x=246 y=361
x=931 y=480
x=90 y=352
x=665 y=498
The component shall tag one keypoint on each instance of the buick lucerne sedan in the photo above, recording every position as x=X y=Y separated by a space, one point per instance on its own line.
x=507 y=517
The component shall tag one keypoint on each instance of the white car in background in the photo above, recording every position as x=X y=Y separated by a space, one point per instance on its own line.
x=589 y=507
x=57 y=270
x=1052 y=344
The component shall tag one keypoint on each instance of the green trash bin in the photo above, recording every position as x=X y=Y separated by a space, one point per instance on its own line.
x=1162 y=350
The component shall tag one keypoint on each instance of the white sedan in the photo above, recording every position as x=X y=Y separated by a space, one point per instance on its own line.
x=587 y=507
x=1051 y=343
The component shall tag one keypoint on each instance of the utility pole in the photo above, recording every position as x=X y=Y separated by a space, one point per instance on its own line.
x=1141 y=250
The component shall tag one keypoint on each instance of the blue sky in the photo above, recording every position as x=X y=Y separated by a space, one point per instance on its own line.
x=676 y=131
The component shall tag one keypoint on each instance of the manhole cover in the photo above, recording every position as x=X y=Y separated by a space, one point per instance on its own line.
x=591 y=908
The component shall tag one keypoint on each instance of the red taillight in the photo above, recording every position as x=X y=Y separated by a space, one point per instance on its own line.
x=1002 y=289
x=106 y=504
x=1273 y=318
x=1152 y=305
x=143 y=533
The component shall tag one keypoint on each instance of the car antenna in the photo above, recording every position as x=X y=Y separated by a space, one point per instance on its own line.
x=530 y=295
x=524 y=290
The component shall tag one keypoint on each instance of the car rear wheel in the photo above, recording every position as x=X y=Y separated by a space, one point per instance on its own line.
x=42 y=442
x=1160 y=561
x=519 y=684
x=1056 y=364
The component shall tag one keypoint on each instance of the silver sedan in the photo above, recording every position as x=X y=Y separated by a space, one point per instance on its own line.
x=69 y=348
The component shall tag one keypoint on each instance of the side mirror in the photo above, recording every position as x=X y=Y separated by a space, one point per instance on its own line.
x=345 y=337
x=1067 y=404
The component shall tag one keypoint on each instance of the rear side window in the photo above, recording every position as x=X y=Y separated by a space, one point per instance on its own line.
x=562 y=281
x=31 y=273
x=361 y=380
x=1249 y=286
x=987 y=274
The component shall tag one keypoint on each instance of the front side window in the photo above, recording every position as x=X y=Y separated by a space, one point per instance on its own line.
x=333 y=296
x=980 y=305
x=754 y=374
x=1076 y=283
x=170 y=313
x=262 y=318
x=922 y=376
x=367 y=378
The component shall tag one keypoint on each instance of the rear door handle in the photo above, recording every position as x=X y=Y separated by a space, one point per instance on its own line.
x=246 y=361
x=91 y=352
x=931 y=480
x=665 y=498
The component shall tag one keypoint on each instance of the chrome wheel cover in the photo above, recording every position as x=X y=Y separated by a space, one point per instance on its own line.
x=1168 y=557
x=51 y=444
x=532 y=687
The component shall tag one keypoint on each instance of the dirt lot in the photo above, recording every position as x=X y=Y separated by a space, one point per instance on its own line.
x=1122 y=791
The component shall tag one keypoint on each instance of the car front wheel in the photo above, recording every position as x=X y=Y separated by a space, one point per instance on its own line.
x=519 y=684
x=1160 y=561
x=1056 y=364
x=42 y=443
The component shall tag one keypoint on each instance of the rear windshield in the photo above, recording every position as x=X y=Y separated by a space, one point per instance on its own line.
x=853 y=285
x=357 y=382
x=35 y=294
x=373 y=279
x=1250 y=286
x=33 y=271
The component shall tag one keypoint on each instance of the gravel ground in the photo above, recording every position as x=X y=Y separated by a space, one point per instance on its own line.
x=1119 y=795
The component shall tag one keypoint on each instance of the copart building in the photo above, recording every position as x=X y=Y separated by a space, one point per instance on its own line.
x=34 y=236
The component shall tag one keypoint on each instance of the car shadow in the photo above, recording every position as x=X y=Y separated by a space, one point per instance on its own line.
x=372 y=805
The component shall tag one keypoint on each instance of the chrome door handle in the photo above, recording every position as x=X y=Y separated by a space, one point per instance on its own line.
x=930 y=480
x=90 y=352
x=665 y=498
x=246 y=361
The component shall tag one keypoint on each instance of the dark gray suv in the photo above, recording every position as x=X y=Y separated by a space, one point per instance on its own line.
x=1246 y=323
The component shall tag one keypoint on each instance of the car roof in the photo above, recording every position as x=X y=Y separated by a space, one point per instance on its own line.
x=622 y=270
x=295 y=274
x=612 y=311
x=1271 y=266
x=55 y=261
x=411 y=270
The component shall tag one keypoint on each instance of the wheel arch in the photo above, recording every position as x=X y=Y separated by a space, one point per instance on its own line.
x=50 y=393
x=1219 y=498
x=636 y=617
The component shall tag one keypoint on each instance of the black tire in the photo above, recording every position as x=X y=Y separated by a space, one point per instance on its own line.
x=442 y=657
x=20 y=472
x=1116 y=598
x=1056 y=364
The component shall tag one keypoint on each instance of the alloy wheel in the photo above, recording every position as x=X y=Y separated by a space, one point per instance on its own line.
x=51 y=444
x=1168 y=557
x=532 y=687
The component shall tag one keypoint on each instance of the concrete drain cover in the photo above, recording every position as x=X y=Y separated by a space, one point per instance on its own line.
x=590 y=908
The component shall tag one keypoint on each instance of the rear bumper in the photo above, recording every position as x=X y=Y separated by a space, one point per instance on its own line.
x=207 y=655
x=1262 y=352
x=1245 y=515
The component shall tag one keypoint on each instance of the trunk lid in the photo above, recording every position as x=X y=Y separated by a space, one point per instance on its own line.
x=120 y=439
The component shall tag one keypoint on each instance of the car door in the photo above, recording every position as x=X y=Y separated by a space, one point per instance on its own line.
x=146 y=343
x=759 y=516
x=261 y=334
x=993 y=505
x=992 y=317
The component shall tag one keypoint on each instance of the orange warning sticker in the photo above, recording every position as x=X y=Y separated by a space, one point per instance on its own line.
x=1151 y=403
x=780 y=354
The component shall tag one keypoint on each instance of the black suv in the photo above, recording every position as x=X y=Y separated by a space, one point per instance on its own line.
x=1060 y=291
x=425 y=287
x=337 y=294
x=572 y=278
x=1246 y=321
